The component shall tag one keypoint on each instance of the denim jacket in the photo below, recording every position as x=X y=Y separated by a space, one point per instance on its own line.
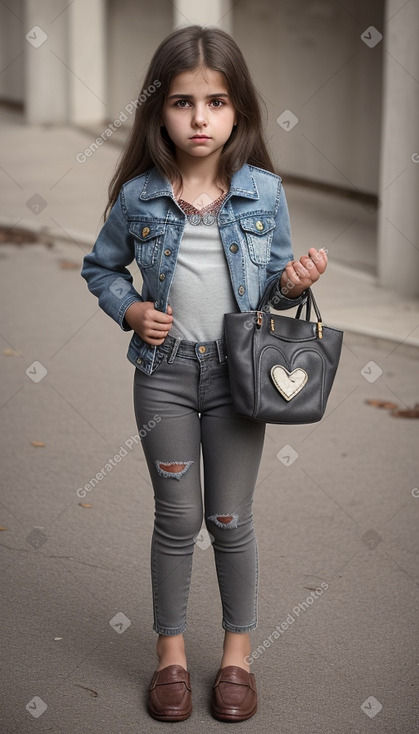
x=146 y=225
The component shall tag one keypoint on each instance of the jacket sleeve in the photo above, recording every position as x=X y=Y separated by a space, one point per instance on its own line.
x=281 y=254
x=105 y=269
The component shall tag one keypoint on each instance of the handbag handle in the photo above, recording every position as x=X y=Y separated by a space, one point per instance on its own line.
x=308 y=303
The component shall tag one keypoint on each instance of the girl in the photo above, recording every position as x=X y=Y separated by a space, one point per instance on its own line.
x=195 y=201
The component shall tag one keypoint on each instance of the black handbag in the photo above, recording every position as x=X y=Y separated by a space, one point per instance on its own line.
x=281 y=369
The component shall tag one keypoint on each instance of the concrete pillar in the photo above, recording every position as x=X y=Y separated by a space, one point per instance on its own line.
x=45 y=56
x=398 y=225
x=87 y=62
x=12 y=43
x=207 y=12
x=64 y=66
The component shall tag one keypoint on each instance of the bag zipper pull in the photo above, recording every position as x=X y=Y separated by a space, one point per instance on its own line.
x=320 y=330
x=259 y=319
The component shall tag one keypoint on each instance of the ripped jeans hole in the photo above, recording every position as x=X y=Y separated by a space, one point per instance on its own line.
x=227 y=522
x=172 y=469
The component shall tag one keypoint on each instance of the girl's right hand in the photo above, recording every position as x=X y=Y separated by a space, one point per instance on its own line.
x=151 y=325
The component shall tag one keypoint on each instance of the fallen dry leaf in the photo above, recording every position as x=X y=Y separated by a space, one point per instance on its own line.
x=408 y=413
x=84 y=504
x=382 y=404
x=37 y=443
x=11 y=352
x=14 y=235
x=3 y=528
x=21 y=236
x=91 y=690
x=68 y=265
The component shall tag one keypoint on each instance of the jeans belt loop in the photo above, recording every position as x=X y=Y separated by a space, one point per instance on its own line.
x=174 y=351
x=220 y=350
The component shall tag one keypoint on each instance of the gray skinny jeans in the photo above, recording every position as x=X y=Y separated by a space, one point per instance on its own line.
x=187 y=403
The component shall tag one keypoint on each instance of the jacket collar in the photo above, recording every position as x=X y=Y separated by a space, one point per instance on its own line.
x=242 y=184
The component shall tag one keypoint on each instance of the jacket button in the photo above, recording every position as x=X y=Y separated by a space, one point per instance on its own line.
x=139 y=360
x=167 y=252
x=241 y=290
x=259 y=225
x=146 y=231
x=162 y=276
x=234 y=248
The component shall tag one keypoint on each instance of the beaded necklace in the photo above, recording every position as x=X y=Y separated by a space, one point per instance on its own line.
x=206 y=215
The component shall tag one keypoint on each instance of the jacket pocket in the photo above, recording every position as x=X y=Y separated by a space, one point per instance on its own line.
x=258 y=233
x=148 y=238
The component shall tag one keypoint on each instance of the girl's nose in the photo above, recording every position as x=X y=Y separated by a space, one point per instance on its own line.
x=200 y=117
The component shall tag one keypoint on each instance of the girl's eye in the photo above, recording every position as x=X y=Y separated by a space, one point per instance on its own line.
x=185 y=103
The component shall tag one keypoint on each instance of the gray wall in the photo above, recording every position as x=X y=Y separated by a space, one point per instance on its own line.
x=307 y=56
x=135 y=27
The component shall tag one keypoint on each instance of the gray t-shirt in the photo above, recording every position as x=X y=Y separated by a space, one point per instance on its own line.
x=201 y=291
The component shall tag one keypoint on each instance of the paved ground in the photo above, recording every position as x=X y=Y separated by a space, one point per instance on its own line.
x=340 y=516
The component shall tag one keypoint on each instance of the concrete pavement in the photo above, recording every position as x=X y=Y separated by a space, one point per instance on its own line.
x=336 y=647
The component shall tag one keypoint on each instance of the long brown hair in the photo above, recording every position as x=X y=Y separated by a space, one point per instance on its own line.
x=148 y=143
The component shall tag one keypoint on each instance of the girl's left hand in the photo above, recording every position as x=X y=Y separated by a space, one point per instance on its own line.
x=301 y=274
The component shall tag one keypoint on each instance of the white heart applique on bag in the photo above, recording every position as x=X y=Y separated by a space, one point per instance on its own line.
x=289 y=384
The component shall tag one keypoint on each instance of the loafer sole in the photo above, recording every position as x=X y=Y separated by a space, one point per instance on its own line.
x=169 y=717
x=221 y=716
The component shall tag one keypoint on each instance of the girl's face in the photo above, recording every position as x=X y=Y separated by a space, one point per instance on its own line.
x=198 y=113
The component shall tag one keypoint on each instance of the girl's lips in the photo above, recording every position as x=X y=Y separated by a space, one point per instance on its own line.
x=200 y=137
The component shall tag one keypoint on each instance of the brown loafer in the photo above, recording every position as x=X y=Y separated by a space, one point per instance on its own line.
x=234 y=696
x=169 y=694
